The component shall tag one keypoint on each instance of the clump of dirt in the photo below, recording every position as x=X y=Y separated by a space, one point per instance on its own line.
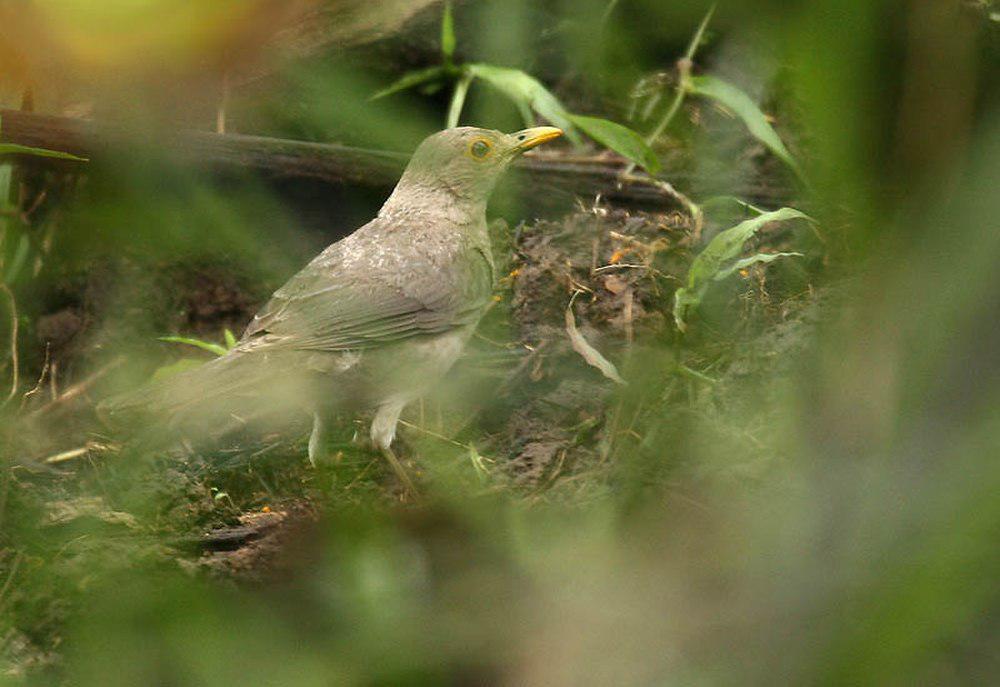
x=619 y=269
x=615 y=272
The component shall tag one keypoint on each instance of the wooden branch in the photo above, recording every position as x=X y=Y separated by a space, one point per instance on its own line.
x=334 y=164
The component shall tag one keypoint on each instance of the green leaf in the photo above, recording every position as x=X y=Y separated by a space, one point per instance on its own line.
x=411 y=79
x=620 y=139
x=746 y=109
x=230 y=339
x=175 y=368
x=17 y=262
x=722 y=201
x=759 y=258
x=721 y=258
x=525 y=89
x=197 y=343
x=447 y=33
x=6 y=179
x=15 y=149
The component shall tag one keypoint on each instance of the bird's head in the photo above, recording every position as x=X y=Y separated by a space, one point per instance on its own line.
x=465 y=162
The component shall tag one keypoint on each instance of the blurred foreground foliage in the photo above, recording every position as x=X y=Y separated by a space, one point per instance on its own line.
x=800 y=488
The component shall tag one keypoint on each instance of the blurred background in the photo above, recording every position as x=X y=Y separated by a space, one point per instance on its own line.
x=796 y=481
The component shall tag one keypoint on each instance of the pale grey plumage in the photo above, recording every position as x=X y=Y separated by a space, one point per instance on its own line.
x=380 y=315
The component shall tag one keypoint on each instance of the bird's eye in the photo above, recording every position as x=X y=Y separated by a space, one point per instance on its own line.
x=480 y=149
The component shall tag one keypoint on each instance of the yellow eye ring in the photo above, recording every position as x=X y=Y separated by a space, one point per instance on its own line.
x=480 y=149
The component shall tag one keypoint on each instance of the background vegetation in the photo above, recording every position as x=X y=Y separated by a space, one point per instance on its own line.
x=794 y=482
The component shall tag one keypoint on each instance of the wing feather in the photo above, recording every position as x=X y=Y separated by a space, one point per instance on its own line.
x=354 y=296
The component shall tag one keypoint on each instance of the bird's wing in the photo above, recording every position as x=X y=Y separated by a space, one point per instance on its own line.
x=356 y=296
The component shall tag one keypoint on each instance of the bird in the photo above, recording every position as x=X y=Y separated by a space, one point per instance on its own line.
x=378 y=317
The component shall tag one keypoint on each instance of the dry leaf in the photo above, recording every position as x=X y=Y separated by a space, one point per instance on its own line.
x=615 y=284
x=589 y=353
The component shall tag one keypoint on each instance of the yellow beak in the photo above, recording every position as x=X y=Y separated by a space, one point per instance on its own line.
x=536 y=136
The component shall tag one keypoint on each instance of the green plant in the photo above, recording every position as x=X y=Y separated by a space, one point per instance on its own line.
x=720 y=259
x=229 y=342
x=16 y=244
x=725 y=94
x=527 y=93
x=185 y=364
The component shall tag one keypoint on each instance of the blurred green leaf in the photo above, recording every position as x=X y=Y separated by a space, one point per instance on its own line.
x=17 y=262
x=6 y=178
x=526 y=90
x=716 y=202
x=447 y=33
x=197 y=343
x=230 y=339
x=746 y=109
x=15 y=149
x=720 y=259
x=175 y=368
x=411 y=79
x=620 y=139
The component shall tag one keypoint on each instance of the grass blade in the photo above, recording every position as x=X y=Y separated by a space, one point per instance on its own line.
x=409 y=80
x=197 y=343
x=15 y=149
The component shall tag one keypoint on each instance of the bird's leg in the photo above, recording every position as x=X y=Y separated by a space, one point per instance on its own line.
x=384 y=431
x=317 y=440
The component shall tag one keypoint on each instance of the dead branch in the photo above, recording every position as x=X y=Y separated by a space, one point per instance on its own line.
x=330 y=163
x=78 y=389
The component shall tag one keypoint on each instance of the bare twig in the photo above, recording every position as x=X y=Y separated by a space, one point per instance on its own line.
x=46 y=366
x=79 y=388
x=696 y=214
x=54 y=380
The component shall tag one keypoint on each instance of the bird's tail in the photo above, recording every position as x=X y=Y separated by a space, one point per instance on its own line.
x=234 y=389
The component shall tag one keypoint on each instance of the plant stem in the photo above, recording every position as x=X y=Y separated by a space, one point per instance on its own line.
x=684 y=72
x=458 y=99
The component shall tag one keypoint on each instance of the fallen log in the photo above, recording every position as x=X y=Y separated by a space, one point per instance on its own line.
x=331 y=163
